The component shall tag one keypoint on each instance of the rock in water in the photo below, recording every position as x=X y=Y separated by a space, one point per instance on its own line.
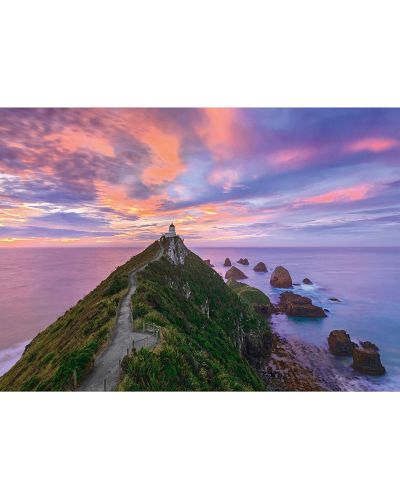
x=281 y=278
x=368 y=361
x=208 y=263
x=335 y=299
x=307 y=281
x=227 y=262
x=369 y=345
x=295 y=305
x=235 y=273
x=340 y=343
x=260 y=267
x=243 y=261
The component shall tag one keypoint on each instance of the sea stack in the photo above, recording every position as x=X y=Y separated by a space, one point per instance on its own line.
x=235 y=273
x=243 y=261
x=260 y=267
x=281 y=278
x=340 y=343
x=295 y=305
x=367 y=360
x=227 y=262
x=307 y=281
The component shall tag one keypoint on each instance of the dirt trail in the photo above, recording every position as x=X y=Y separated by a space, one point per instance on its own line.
x=106 y=366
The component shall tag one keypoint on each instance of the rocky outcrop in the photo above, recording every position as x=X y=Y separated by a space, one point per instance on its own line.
x=369 y=345
x=243 y=261
x=175 y=251
x=208 y=263
x=281 y=278
x=295 y=305
x=256 y=348
x=227 y=262
x=260 y=267
x=307 y=281
x=340 y=343
x=334 y=299
x=235 y=273
x=367 y=360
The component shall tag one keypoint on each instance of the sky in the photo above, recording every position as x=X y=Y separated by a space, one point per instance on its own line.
x=225 y=177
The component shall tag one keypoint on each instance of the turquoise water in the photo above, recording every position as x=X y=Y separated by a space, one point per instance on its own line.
x=38 y=285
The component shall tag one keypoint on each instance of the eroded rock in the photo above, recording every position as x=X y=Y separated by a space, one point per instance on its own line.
x=295 y=305
x=260 y=267
x=367 y=361
x=227 y=262
x=340 y=343
x=243 y=261
x=281 y=278
x=235 y=273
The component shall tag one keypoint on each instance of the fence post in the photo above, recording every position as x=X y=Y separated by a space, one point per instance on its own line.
x=144 y=326
x=75 y=376
x=105 y=385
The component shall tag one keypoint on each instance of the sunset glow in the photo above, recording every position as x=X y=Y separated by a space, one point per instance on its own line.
x=93 y=177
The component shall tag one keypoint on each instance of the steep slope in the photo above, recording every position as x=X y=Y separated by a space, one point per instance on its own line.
x=76 y=338
x=207 y=330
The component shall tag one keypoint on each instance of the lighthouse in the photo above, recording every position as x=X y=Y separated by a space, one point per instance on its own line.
x=171 y=231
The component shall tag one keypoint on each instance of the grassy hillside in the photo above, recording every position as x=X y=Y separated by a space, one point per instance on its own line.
x=249 y=294
x=73 y=340
x=205 y=330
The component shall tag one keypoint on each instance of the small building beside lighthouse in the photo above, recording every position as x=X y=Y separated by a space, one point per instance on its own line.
x=171 y=231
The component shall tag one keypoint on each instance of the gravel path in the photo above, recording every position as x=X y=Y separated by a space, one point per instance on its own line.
x=106 y=366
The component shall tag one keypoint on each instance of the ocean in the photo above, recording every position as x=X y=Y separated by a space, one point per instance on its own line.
x=38 y=285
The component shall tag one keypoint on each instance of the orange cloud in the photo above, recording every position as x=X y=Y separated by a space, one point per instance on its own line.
x=373 y=145
x=220 y=132
x=340 y=195
x=167 y=164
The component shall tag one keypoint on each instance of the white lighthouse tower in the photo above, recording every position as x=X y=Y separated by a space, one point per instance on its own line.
x=171 y=231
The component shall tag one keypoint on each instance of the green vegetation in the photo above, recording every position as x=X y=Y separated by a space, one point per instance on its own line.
x=249 y=294
x=204 y=325
x=73 y=341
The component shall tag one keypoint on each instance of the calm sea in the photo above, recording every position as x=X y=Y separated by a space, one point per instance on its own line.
x=38 y=285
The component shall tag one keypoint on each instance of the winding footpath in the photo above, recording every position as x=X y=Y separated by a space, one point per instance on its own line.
x=106 y=370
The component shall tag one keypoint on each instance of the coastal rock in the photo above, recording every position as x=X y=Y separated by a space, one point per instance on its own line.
x=256 y=348
x=368 y=361
x=335 y=299
x=340 y=343
x=208 y=263
x=175 y=251
x=307 y=281
x=295 y=305
x=235 y=273
x=227 y=262
x=243 y=261
x=260 y=267
x=281 y=278
x=369 y=345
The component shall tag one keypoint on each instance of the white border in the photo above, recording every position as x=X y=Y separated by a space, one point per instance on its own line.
x=209 y=53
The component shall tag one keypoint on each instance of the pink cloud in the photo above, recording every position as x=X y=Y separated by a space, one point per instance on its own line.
x=373 y=145
x=356 y=193
x=291 y=156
